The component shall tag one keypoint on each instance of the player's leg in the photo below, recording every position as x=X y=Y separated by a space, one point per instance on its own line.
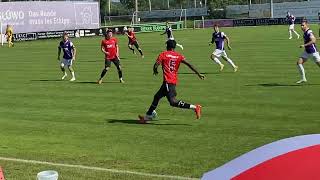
x=107 y=65
x=171 y=96
x=10 y=44
x=226 y=58
x=156 y=98
x=214 y=56
x=180 y=46
x=131 y=48
x=298 y=36
x=316 y=58
x=290 y=31
x=136 y=44
x=70 y=61
x=300 y=63
x=116 y=62
x=72 y=73
x=62 y=67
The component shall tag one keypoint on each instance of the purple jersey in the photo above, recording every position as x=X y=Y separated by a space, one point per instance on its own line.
x=290 y=19
x=67 y=48
x=307 y=38
x=218 y=38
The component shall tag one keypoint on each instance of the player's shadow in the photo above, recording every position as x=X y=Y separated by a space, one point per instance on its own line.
x=201 y=73
x=135 y=121
x=95 y=82
x=47 y=80
x=98 y=60
x=275 y=85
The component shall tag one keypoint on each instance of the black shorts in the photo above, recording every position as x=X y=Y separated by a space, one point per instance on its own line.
x=168 y=90
x=115 y=61
x=135 y=43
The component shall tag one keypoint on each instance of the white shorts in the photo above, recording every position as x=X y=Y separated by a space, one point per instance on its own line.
x=291 y=27
x=66 y=62
x=315 y=56
x=219 y=53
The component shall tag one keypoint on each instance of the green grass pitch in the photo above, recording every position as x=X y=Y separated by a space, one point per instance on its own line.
x=46 y=119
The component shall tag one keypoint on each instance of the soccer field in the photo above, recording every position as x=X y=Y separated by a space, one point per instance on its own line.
x=43 y=118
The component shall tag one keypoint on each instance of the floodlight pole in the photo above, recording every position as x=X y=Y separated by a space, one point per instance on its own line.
x=109 y=10
x=168 y=3
x=271 y=8
x=109 y=7
x=136 y=4
x=150 y=5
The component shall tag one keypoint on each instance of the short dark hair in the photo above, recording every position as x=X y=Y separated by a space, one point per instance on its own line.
x=109 y=30
x=171 y=44
x=215 y=25
x=304 y=20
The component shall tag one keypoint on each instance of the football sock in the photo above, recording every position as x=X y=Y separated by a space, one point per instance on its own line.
x=217 y=61
x=120 y=74
x=132 y=50
x=73 y=74
x=140 y=51
x=301 y=70
x=180 y=46
x=290 y=33
x=179 y=104
x=103 y=73
x=230 y=62
x=296 y=33
x=151 y=109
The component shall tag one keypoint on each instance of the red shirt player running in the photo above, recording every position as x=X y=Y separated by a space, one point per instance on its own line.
x=170 y=61
x=133 y=41
x=109 y=46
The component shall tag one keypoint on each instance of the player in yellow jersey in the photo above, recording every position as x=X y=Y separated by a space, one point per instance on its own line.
x=9 y=34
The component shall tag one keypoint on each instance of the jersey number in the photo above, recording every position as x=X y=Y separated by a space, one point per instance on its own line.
x=172 y=65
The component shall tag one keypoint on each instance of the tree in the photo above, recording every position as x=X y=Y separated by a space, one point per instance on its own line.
x=181 y=2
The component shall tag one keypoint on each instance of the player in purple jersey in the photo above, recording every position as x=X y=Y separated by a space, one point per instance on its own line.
x=218 y=38
x=310 y=50
x=291 y=19
x=69 y=55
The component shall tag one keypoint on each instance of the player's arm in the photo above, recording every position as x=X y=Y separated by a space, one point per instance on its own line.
x=59 y=52
x=201 y=76
x=312 y=40
x=155 y=67
x=117 y=51
x=165 y=32
x=103 y=50
x=74 y=52
x=212 y=40
x=228 y=41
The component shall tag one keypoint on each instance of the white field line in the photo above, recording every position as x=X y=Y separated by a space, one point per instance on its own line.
x=96 y=168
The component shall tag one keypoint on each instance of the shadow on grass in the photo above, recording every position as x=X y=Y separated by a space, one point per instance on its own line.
x=98 y=60
x=279 y=85
x=47 y=80
x=135 y=121
x=202 y=73
x=95 y=82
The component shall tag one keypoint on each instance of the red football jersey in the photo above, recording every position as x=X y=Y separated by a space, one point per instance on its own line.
x=110 y=46
x=170 y=61
x=133 y=39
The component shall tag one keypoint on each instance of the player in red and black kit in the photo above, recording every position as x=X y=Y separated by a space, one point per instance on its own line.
x=170 y=62
x=109 y=46
x=133 y=41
